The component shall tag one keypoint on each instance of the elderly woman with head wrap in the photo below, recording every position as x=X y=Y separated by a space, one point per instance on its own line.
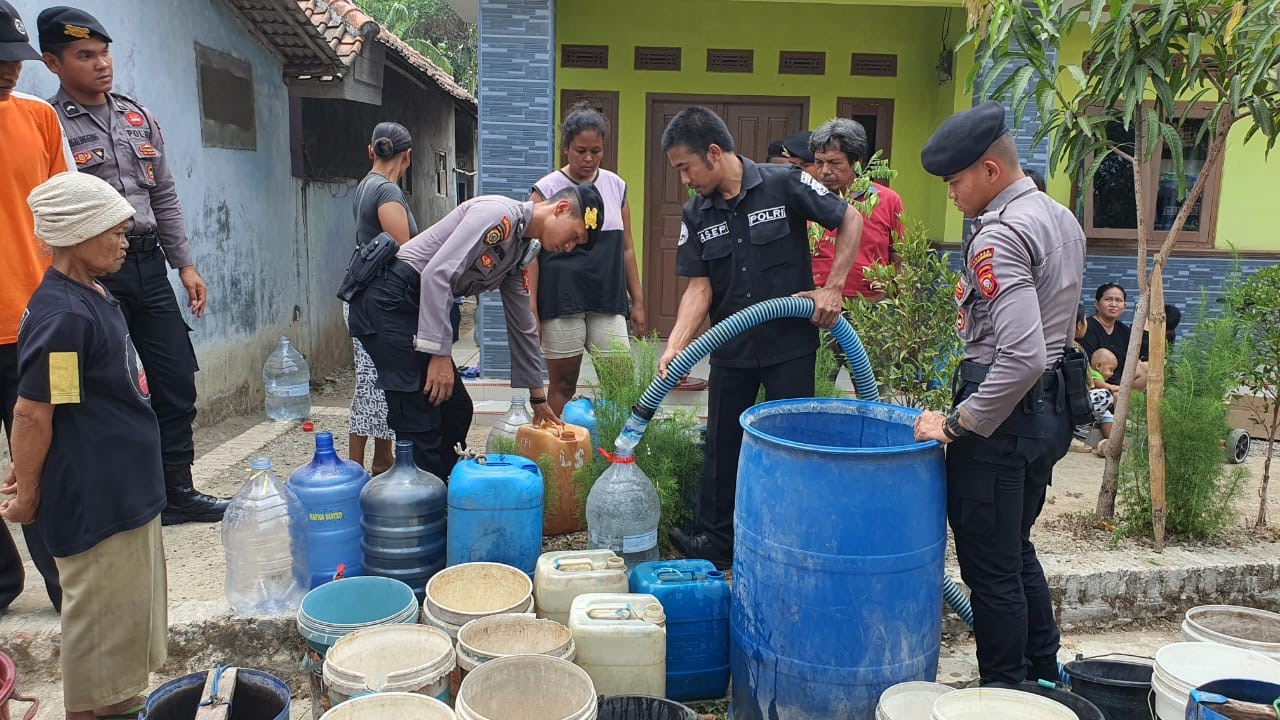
x=86 y=453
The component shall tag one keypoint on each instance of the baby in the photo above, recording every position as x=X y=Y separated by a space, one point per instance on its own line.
x=1101 y=393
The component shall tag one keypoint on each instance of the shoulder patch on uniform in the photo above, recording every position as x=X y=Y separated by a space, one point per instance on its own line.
x=684 y=235
x=99 y=153
x=134 y=118
x=487 y=261
x=151 y=172
x=83 y=158
x=814 y=185
x=498 y=233
x=146 y=149
x=959 y=289
x=987 y=283
x=982 y=256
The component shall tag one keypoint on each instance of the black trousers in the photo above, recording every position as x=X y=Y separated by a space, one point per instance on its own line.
x=995 y=491
x=384 y=316
x=731 y=391
x=12 y=576
x=163 y=340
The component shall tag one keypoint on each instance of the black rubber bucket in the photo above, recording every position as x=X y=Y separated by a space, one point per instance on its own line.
x=258 y=696
x=1081 y=706
x=1119 y=688
x=642 y=707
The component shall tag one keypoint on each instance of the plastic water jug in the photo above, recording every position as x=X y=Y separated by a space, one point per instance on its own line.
x=264 y=537
x=329 y=489
x=505 y=428
x=286 y=377
x=403 y=518
x=695 y=597
x=569 y=447
x=495 y=512
x=623 y=512
x=563 y=575
x=621 y=642
x=582 y=412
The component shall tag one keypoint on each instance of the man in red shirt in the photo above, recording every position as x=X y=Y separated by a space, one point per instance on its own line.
x=839 y=148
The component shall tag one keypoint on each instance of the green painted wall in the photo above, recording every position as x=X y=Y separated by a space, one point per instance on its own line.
x=913 y=33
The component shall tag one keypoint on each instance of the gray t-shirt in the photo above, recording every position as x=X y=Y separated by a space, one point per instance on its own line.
x=373 y=192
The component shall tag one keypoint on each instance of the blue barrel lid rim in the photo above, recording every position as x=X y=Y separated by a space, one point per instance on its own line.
x=776 y=407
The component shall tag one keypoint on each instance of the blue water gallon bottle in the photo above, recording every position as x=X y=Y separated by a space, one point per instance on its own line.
x=329 y=488
x=695 y=597
x=403 y=519
x=495 y=512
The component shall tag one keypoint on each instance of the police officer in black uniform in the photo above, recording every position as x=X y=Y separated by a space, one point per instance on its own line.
x=1011 y=420
x=117 y=139
x=742 y=241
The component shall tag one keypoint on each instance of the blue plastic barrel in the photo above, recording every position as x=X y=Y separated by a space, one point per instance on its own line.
x=840 y=531
x=495 y=512
x=1206 y=701
x=329 y=489
x=257 y=695
x=695 y=597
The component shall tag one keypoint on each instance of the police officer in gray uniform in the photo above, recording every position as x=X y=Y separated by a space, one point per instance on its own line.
x=1011 y=420
x=117 y=139
x=402 y=315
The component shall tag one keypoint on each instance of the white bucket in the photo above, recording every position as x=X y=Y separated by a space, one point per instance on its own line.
x=1236 y=626
x=390 y=658
x=1182 y=667
x=527 y=687
x=390 y=706
x=497 y=636
x=452 y=629
x=462 y=593
x=998 y=704
x=910 y=700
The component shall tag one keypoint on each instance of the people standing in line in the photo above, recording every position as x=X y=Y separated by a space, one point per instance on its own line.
x=34 y=150
x=582 y=298
x=742 y=240
x=380 y=206
x=401 y=314
x=87 y=453
x=1017 y=298
x=115 y=138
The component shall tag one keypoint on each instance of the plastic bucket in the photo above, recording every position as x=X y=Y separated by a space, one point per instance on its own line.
x=527 y=687
x=339 y=608
x=1208 y=701
x=910 y=700
x=998 y=704
x=642 y=707
x=391 y=706
x=462 y=593
x=258 y=696
x=490 y=638
x=452 y=629
x=1182 y=667
x=1081 y=707
x=1236 y=626
x=1118 y=688
x=392 y=658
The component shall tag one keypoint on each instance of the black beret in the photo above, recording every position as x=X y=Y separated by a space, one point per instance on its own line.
x=592 y=210
x=962 y=139
x=775 y=150
x=67 y=24
x=797 y=146
x=13 y=36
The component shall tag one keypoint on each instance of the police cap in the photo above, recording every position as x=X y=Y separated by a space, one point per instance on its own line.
x=592 y=206
x=14 y=43
x=797 y=146
x=963 y=138
x=62 y=24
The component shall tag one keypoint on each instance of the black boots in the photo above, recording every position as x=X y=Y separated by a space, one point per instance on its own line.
x=185 y=503
x=702 y=547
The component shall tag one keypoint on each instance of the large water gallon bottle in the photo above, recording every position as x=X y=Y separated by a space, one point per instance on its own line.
x=404 y=522
x=623 y=512
x=506 y=426
x=286 y=377
x=495 y=512
x=264 y=536
x=329 y=489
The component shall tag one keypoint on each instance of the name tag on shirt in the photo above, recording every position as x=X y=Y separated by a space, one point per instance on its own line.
x=713 y=232
x=767 y=215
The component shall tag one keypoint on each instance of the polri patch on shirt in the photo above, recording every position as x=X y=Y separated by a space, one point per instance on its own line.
x=814 y=185
x=959 y=290
x=767 y=215
x=134 y=118
x=987 y=281
x=499 y=232
x=151 y=172
x=713 y=232
x=486 y=261
x=961 y=320
x=147 y=150
x=982 y=256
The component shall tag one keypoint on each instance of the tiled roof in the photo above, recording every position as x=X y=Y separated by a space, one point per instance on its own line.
x=343 y=26
x=442 y=79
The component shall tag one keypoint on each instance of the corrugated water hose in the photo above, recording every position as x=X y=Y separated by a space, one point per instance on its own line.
x=864 y=382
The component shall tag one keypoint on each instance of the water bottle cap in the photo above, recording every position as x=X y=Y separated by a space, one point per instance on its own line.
x=284 y=339
x=308 y=426
x=261 y=463
x=617 y=458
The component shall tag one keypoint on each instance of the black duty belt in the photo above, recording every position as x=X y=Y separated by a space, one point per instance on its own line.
x=975 y=372
x=143 y=242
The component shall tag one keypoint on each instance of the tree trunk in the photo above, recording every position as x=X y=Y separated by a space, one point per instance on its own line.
x=1155 y=398
x=1266 y=465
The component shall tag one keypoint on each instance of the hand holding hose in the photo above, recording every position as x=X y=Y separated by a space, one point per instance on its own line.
x=827 y=304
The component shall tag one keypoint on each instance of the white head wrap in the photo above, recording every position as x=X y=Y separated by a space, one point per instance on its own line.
x=71 y=207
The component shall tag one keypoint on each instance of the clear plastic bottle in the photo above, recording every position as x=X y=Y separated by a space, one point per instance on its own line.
x=518 y=414
x=286 y=377
x=264 y=537
x=623 y=512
